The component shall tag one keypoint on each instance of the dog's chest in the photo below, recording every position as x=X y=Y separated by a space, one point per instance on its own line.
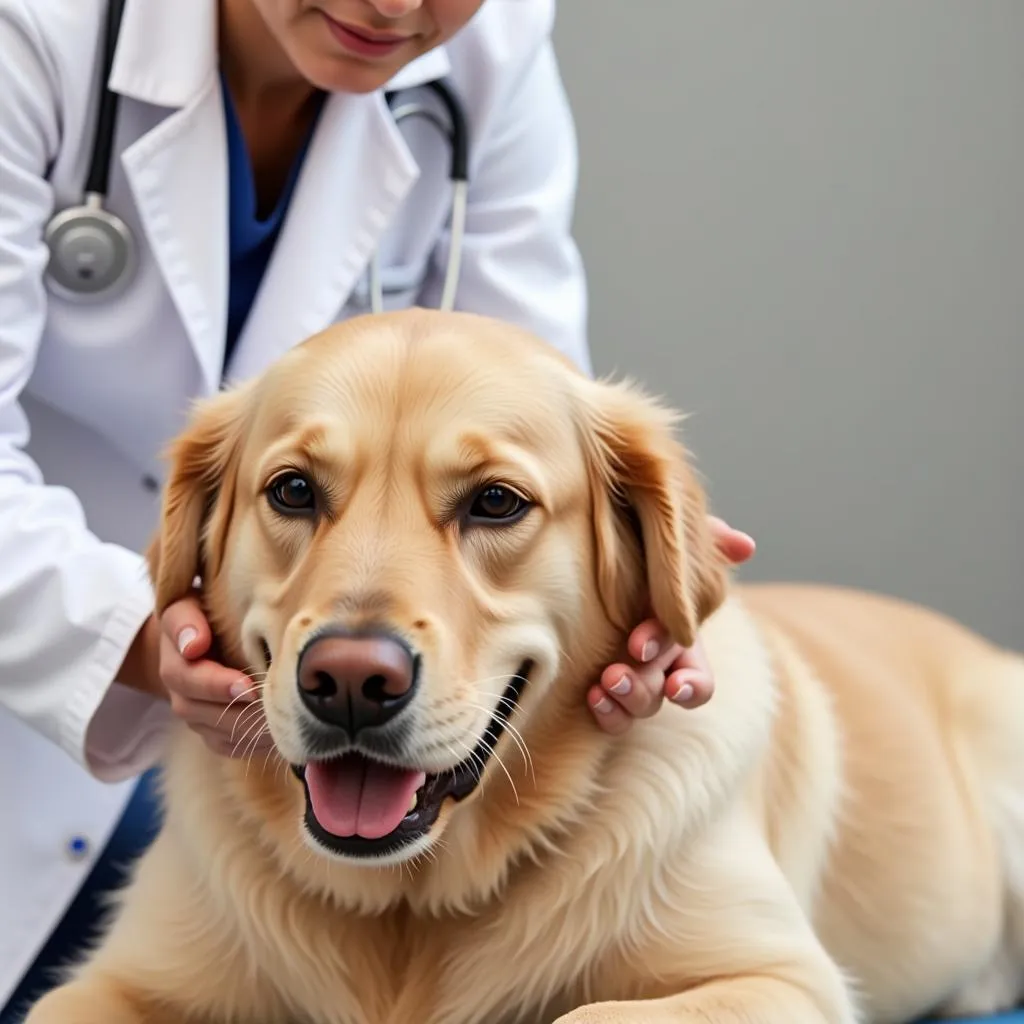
x=470 y=971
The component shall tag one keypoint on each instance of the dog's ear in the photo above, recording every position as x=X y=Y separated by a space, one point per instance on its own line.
x=197 y=498
x=644 y=489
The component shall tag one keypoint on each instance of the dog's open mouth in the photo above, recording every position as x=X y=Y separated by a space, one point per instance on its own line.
x=361 y=807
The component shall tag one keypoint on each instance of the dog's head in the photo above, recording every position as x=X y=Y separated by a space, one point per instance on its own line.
x=425 y=533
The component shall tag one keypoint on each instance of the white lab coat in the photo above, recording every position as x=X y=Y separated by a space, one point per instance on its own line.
x=89 y=394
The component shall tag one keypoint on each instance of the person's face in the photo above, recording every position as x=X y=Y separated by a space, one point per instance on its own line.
x=358 y=45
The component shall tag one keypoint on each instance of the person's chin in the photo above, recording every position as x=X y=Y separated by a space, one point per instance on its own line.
x=331 y=68
x=352 y=75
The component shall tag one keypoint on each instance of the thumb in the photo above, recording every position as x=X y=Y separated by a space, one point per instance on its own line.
x=186 y=626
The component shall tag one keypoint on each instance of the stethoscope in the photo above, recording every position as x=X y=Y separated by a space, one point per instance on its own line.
x=93 y=254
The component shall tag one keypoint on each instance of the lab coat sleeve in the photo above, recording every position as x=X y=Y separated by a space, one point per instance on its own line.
x=70 y=604
x=520 y=262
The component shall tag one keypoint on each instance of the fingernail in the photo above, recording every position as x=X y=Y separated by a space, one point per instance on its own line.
x=650 y=651
x=622 y=687
x=242 y=687
x=185 y=637
x=604 y=706
x=684 y=694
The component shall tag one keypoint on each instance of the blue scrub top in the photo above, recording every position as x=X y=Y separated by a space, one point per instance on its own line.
x=251 y=241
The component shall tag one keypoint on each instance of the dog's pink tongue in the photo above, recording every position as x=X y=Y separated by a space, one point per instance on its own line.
x=353 y=796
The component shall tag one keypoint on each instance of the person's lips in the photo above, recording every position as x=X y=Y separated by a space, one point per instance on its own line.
x=365 y=42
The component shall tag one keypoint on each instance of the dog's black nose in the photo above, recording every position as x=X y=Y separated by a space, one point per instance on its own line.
x=356 y=682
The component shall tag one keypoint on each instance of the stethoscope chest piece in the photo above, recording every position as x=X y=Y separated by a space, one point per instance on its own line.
x=92 y=252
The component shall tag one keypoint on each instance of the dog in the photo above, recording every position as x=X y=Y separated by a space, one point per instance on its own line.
x=424 y=534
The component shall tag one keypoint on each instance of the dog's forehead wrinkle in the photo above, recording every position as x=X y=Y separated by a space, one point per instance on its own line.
x=339 y=368
x=408 y=375
x=481 y=412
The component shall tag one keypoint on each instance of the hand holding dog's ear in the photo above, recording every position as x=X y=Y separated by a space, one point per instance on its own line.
x=216 y=702
x=645 y=491
x=654 y=542
x=171 y=658
x=660 y=669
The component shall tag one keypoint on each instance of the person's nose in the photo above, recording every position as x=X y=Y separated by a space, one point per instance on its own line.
x=354 y=683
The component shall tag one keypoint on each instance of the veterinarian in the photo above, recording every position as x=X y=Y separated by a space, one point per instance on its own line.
x=257 y=169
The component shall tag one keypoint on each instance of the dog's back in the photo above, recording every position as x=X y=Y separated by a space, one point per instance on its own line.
x=893 y=794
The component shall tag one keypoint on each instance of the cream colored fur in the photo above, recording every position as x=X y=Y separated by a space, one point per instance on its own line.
x=837 y=837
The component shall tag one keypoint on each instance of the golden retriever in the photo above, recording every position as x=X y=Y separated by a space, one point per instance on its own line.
x=426 y=534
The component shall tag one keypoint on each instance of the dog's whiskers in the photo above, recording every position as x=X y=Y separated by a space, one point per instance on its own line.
x=252 y=671
x=476 y=760
x=271 y=752
x=517 y=738
x=492 y=753
x=474 y=769
x=455 y=754
x=257 y=732
x=255 y=725
x=255 y=688
x=248 y=716
x=253 y=743
x=514 y=732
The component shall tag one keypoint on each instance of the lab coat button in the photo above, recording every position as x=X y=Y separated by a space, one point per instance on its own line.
x=78 y=848
x=151 y=483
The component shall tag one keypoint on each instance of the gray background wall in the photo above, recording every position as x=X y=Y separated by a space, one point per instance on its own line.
x=803 y=222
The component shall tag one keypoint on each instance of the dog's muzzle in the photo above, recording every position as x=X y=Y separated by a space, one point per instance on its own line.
x=359 y=804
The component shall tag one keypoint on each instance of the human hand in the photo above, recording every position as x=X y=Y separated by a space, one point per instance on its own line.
x=660 y=668
x=220 y=704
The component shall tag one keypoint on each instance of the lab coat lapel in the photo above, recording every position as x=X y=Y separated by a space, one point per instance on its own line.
x=167 y=57
x=356 y=174
x=178 y=174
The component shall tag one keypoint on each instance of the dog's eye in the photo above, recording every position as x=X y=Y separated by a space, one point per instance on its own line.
x=497 y=504
x=291 y=493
